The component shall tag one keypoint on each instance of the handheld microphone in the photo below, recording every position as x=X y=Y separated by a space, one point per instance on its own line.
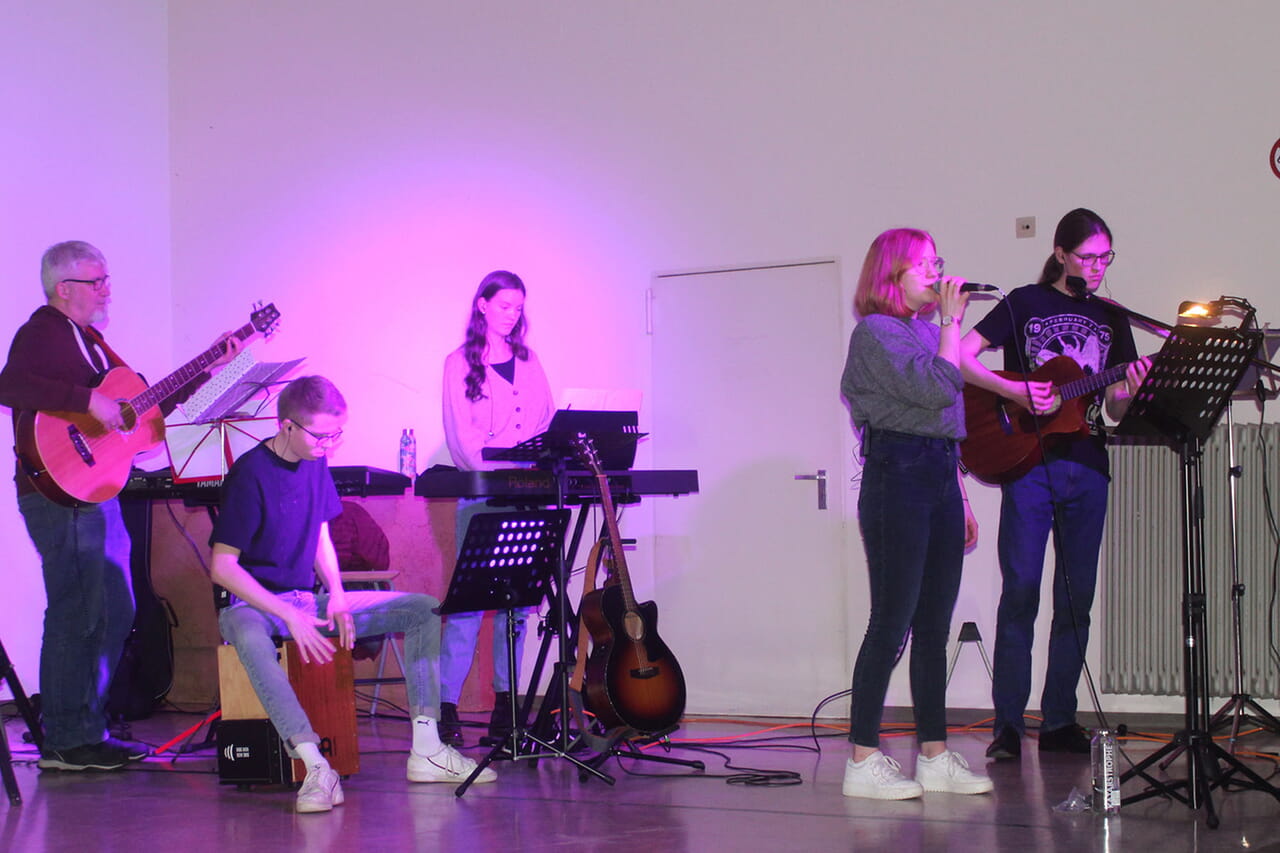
x=968 y=287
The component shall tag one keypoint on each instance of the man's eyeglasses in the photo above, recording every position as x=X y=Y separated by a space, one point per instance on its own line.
x=98 y=284
x=1089 y=260
x=924 y=264
x=321 y=437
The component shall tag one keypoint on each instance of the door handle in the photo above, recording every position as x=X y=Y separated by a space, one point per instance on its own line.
x=821 y=478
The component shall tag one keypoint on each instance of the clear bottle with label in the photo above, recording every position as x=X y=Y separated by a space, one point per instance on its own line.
x=1106 y=776
x=408 y=454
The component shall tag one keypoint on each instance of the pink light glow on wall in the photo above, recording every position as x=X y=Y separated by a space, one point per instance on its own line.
x=373 y=267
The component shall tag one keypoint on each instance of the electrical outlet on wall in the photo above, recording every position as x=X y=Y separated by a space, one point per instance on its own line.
x=1024 y=226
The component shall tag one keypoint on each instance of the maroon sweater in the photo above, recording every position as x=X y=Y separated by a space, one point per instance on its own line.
x=47 y=370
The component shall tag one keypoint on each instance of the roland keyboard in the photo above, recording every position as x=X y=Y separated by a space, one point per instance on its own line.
x=538 y=486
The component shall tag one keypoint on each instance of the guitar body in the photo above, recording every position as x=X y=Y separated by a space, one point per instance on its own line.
x=632 y=679
x=1002 y=442
x=71 y=459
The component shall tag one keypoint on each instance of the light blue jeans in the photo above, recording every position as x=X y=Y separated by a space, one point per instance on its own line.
x=84 y=555
x=251 y=632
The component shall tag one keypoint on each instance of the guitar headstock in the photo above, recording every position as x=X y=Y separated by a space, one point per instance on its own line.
x=265 y=319
x=586 y=451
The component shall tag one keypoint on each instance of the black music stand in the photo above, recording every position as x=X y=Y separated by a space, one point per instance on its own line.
x=615 y=435
x=504 y=564
x=10 y=676
x=1183 y=396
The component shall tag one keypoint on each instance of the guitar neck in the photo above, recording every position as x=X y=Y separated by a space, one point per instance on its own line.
x=185 y=375
x=615 y=542
x=1092 y=383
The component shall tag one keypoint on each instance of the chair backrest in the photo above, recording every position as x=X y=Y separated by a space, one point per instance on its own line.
x=360 y=541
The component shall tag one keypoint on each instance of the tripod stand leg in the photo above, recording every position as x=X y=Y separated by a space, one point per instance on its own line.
x=1234 y=765
x=514 y=745
x=1261 y=715
x=6 y=770
x=9 y=675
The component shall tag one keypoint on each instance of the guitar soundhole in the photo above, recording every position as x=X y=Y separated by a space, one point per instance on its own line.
x=129 y=416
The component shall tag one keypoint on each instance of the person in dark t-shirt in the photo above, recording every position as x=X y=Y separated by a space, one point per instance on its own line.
x=270 y=543
x=1058 y=316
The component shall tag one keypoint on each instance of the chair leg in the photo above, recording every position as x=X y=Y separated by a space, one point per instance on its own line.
x=393 y=642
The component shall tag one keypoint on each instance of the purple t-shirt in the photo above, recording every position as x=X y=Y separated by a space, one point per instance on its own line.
x=272 y=511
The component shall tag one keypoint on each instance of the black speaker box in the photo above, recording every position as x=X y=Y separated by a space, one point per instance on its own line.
x=251 y=753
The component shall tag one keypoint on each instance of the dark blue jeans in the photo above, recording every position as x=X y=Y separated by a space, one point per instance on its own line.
x=84 y=555
x=912 y=523
x=1026 y=520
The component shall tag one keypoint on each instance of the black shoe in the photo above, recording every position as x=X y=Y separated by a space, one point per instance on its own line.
x=131 y=749
x=449 y=726
x=1073 y=739
x=91 y=756
x=500 y=722
x=1007 y=745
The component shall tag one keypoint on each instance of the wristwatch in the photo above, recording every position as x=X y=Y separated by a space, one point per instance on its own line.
x=946 y=321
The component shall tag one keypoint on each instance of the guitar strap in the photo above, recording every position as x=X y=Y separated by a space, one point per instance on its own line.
x=584 y=636
x=96 y=336
x=593 y=741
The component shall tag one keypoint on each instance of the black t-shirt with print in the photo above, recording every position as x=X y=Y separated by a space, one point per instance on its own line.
x=1050 y=323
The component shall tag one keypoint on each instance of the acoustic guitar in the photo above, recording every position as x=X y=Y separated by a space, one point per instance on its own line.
x=632 y=679
x=1003 y=438
x=72 y=459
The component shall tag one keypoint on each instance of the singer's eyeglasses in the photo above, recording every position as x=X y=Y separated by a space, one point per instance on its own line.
x=98 y=284
x=321 y=437
x=1089 y=260
x=925 y=263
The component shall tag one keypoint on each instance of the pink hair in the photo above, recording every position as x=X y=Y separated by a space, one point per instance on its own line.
x=890 y=255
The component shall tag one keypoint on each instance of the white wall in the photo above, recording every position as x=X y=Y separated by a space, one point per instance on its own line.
x=85 y=151
x=364 y=166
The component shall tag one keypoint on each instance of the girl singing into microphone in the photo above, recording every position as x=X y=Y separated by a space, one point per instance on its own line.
x=902 y=381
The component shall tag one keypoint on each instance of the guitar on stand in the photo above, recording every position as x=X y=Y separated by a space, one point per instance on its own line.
x=631 y=681
x=632 y=678
x=71 y=459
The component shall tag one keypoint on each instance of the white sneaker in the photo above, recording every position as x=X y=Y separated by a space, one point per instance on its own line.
x=878 y=777
x=321 y=790
x=446 y=765
x=950 y=773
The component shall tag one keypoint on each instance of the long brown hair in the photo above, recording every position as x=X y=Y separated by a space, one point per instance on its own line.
x=477 y=328
x=1073 y=229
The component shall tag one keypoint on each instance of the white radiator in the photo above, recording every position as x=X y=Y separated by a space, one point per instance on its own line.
x=1142 y=573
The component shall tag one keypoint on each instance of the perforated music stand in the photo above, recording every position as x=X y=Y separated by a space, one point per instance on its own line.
x=505 y=563
x=1190 y=383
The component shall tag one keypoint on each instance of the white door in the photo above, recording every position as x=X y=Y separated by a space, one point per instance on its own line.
x=749 y=574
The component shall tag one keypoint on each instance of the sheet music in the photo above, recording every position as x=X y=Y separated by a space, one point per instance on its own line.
x=233 y=386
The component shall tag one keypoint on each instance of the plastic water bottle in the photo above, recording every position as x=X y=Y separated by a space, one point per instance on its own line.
x=1106 y=778
x=408 y=454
